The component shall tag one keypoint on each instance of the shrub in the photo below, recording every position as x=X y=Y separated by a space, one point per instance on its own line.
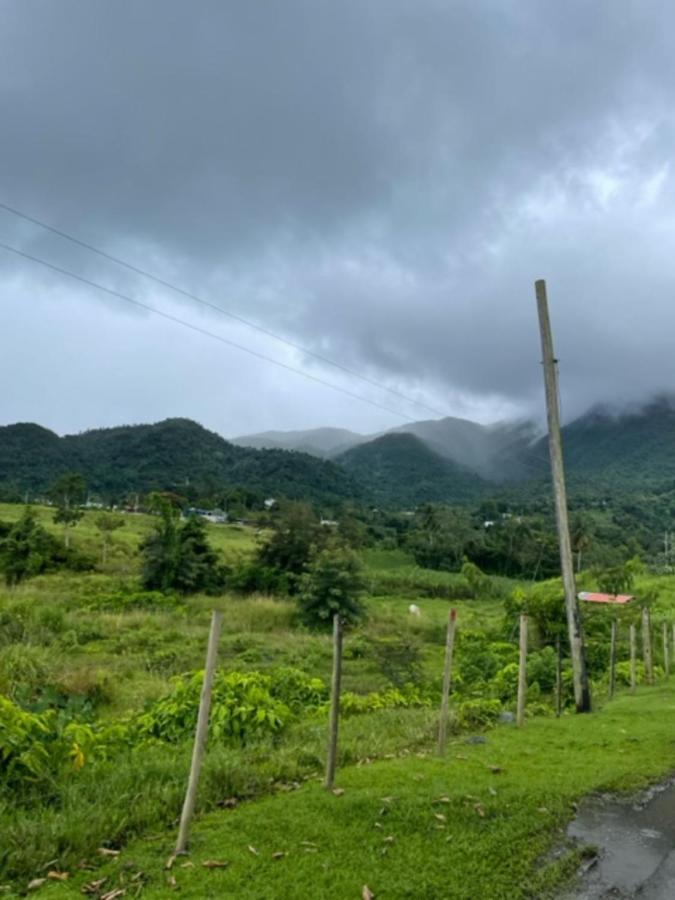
x=242 y=707
x=332 y=584
x=478 y=713
x=407 y=697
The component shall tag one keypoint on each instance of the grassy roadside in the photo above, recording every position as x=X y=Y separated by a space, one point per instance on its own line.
x=479 y=823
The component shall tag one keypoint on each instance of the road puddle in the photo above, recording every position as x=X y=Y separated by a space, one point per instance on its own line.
x=635 y=839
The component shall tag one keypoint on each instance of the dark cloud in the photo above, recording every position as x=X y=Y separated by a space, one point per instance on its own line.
x=380 y=181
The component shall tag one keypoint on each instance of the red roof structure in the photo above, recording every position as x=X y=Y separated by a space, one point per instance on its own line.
x=605 y=598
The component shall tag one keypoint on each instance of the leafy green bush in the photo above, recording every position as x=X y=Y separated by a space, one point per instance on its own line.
x=478 y=713
x=299 y=691
x=505 y=682
x=407 y=697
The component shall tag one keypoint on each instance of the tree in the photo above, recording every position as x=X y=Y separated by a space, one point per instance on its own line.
x=197 y=567
x=441 y=537
x=28 y=549
x=296 y=535
x=67 y=492
x=178 y=557
x=107 y=523
x=160 y=549
x=331 y=584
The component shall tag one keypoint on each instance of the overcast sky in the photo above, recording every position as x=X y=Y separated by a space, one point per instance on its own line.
x=378 y=181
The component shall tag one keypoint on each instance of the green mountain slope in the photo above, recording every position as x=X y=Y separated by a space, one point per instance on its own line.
x=399 y=469
x=176 y=454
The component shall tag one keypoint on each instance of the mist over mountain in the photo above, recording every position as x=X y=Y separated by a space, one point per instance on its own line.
x=323 y=442
x=491 y=451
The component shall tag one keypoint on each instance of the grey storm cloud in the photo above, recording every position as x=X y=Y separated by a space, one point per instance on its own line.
x=380 y=181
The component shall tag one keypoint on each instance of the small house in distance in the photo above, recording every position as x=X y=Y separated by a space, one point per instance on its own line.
x=590 y=597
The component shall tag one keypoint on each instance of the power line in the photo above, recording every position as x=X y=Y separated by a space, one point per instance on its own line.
x=198 y=329
x=219 y=309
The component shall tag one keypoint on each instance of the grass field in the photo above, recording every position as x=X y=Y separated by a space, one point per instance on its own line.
x=99 y=650
x=479 y=823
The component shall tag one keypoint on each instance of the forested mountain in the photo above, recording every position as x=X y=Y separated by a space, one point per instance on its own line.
x=176 y=454
x=615 y=454
x=399 y=469
x=632 y=449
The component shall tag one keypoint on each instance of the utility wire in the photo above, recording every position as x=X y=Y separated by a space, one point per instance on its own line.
x=198 y=329
x=219 y=309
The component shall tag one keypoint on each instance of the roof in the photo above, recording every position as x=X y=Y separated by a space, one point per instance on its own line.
x=605 y=598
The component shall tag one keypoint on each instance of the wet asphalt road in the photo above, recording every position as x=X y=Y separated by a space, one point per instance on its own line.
x=636 y=842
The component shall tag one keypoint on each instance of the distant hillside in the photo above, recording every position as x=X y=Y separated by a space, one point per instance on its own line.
x=399 y=469
x=492 y=451
x=169 y=455
x=323 y=442
x=629 y=450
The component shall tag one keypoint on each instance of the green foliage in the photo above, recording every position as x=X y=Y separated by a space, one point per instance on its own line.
x=178 y=557
x=407 y=697
x=473 y=714
x=333 y=583
x=399 y=659
x=620 y=579
x=441 y=537
x=243 y=706
x=480 y=584
x=28 y=550
x=296 y=535
x=107 y=524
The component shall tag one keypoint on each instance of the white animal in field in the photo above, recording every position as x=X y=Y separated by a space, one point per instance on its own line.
x=414 y=610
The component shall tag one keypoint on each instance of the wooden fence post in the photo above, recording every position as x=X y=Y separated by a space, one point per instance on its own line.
x=666 y=652
x=201 y=732
x=522 y=672
x=612 y=661
x=447 y=671
x=633 y=660
x=647 y=645
x=331 y=761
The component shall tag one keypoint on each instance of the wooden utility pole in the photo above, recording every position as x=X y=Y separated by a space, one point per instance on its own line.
x=666 y=651
x=647 y=645
x=612 y=661
x=331 y=762
x=522 y=672
x=201 y=732
x=447 y=670
x=582 y=691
